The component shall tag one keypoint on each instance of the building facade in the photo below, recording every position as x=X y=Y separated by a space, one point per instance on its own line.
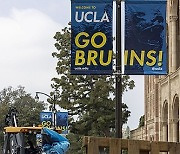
x=161 y=105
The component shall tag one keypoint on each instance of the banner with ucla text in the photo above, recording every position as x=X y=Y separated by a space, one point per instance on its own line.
x=145 y=37
x=61 y=120
x=91 y=39
x=46 y=119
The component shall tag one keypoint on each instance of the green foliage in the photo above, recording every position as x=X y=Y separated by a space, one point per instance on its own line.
x=125 y=152
x=90 y=98
x=76 y=144
x=141 y=121
x=28 y=108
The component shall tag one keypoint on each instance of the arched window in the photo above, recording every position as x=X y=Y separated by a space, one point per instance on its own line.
x=165 y=121
x=176 y=118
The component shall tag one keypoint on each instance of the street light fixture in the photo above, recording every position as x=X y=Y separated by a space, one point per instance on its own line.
x=53 y=99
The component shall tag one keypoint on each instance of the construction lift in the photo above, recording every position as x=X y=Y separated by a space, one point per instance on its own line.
x=29 y=140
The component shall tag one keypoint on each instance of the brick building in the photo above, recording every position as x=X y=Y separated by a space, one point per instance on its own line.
x=161 y=106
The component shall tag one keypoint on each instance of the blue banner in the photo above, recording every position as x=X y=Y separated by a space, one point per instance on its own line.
x=91 y=39
x=46 y=119
x=145 y=37
x=61 y=120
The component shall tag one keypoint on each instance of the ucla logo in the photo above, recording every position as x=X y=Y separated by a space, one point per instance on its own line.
x=46 y=116
x=90 y=17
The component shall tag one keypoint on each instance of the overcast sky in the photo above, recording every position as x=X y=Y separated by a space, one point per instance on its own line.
x=27 y=28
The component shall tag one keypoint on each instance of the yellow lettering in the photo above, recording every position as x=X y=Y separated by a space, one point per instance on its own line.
x=153 y=59
x=104 y=39
x=109 y=58
x=80 y=60
x=135 y=56
x=125 y=57
x=85 y=41
x=160 y=58
x=92 y=55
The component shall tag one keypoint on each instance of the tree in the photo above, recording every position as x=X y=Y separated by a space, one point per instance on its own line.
x=76 y=144
x=89 y=98
x=141 y=121
x=28 y=109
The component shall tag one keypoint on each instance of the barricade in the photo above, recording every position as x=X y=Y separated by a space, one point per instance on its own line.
x=115 y=146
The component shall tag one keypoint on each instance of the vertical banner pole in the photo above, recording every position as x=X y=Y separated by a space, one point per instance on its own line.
x=118 y=118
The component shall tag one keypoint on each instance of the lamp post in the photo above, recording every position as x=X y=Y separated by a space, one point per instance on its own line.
x=53 y=99
x=118 y=123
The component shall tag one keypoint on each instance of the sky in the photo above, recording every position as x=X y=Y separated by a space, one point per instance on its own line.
x=27 y=28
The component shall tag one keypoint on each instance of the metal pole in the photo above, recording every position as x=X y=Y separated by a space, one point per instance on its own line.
x=54 y=112
x=118 y=118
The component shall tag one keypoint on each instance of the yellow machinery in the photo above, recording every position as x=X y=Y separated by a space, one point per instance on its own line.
x=16 y=139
